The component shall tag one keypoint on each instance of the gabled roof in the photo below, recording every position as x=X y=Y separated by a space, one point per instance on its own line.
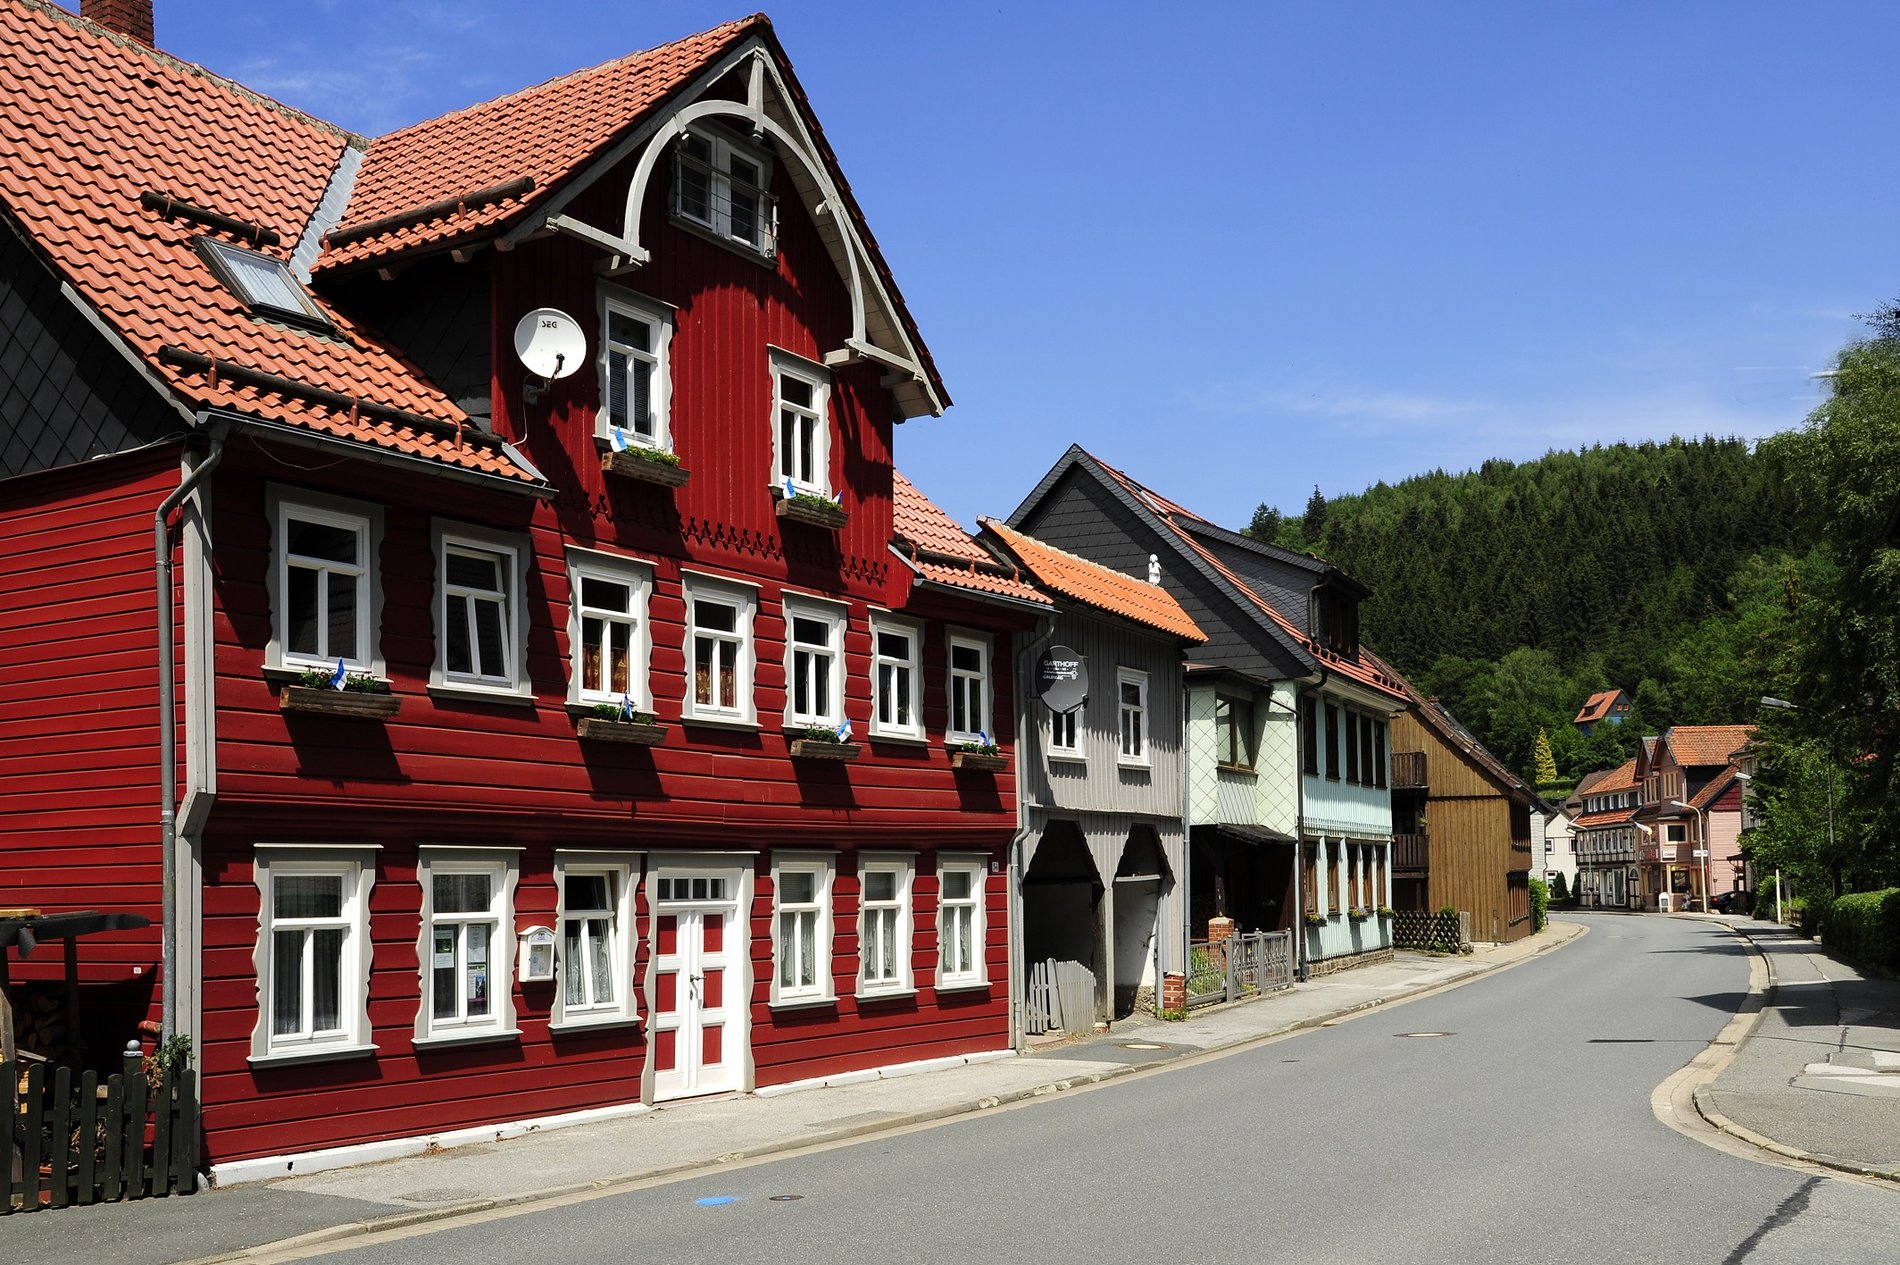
x=1714 y=790
x=1700 y=746
x=503 y=165
x=1621 y=778
x=1171 y=520
x=1095 y=585
x=1609 y=817
x=109 y=151
x=942 y=553
x=1438 y=718
x=541 y=135
x=1596 y=707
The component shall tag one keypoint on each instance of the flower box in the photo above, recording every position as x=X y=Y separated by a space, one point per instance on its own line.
x=812 y=511
x=355 y=704
x=632 y=732
x=818 y=749
x=645 y=469
x=979 y=761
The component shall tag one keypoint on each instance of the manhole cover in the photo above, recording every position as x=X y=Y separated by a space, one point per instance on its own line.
x=1142 y=1045
x=1424 y=1034
x=785 y=1199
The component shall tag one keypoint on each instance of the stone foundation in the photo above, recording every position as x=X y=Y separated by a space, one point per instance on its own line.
x=1329 y=966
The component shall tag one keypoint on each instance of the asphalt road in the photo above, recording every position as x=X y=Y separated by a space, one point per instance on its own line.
x=1504 y=1121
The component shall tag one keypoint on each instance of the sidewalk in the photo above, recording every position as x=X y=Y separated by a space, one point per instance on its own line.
x=1818 y=1077
x=340 y=1204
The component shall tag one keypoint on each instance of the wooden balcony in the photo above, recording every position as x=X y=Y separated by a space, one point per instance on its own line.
x=1408 y=771
x=1411 y=853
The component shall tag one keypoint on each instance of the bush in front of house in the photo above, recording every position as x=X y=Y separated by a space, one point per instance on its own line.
x=1540 y=904
x=1864 y=928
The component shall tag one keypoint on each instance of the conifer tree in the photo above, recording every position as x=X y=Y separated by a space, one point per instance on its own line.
x=1315 y=521
x=1543 y=764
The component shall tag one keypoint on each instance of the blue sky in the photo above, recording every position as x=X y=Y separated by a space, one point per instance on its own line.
x=1243 y=250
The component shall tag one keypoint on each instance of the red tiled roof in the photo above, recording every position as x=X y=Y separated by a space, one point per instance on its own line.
x=1702 y=745
x=1096 y=585
x=943 y=553
x=1610 y=817
x=1596 y=707
x=1621 y=778
x=545 y=133
x=1362 y=670
x=90 y=121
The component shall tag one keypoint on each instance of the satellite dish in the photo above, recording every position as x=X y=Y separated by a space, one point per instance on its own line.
x=550 y=343
x=1062 y=679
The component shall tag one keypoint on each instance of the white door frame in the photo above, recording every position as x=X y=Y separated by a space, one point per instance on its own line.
x=734 y=960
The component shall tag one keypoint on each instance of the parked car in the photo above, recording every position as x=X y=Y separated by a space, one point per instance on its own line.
x=1726 y=902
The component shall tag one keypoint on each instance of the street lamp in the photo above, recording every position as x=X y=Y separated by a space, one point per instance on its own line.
x=1834 y=866
x=1702 y=837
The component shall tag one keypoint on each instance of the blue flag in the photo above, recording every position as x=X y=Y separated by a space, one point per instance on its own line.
x=338 y=677
x=618 y=438
x=790 y=491
x=982 y=739
x=844 y=732
x=626 y=707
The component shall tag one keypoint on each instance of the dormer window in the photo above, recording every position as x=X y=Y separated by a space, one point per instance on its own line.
x=1336 y=621
x=722 y=186
x=264 y=282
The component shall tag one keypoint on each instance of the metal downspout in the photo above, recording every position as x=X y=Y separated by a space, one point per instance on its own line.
x=168 y=731
x=1024 y=726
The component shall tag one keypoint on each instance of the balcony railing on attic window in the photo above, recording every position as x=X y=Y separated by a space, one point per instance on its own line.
x=721 y=191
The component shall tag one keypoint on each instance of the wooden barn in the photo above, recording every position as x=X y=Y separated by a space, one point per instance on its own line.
x=561 y=704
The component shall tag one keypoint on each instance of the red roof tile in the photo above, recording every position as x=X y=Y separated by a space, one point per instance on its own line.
x=89 y=122
x=1596 y=707
x=943 y=553
x=1621 y=778
x=545 y=133
x=1703 y=745
x=1095 y=585
x=1610 y=817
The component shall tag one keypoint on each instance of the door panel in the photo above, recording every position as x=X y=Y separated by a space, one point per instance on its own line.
x=694 y=1004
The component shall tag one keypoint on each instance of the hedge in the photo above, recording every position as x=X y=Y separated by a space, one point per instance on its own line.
x=1864 y=928
x=1540 y=905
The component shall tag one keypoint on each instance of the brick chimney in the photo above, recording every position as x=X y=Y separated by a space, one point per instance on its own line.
x=127 y=17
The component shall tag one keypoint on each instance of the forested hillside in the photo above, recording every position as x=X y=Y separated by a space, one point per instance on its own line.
x=1515 y=591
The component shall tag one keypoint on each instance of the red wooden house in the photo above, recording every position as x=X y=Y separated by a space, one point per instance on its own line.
x=645 y=781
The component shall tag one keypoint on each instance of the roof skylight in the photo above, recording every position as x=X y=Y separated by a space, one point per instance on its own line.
x=262 y=281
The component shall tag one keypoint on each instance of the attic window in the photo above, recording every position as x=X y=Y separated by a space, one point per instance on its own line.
x=722 y=187
x=264 y=282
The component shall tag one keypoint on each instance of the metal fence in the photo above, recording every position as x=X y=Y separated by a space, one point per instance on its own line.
x=63 y=1143
x=1239 y=967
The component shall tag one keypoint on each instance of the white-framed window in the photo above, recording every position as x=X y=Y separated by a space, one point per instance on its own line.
x=313 y=951
x=636 y=390
x=884 y=923
x=467 y=944
x=480 y=618
x=719 y=651
x=969 y=661
x=1233 y=732
x=724 y=188
x=960 y=923
x=896 y=678
x=814 y=662
x=594 y=926
x=801 y=927
x=607 y=632
x=1132 y=691
x=1065 y=740
x=801 y=431
x=323 y=581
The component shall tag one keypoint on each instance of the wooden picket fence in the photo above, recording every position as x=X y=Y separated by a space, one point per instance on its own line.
x=67 y=1144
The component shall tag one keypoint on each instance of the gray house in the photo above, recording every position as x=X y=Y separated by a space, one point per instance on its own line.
x=1100 y=792
x=1289 y=801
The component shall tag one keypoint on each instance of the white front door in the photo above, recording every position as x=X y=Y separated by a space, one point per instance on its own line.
x=697 y=1043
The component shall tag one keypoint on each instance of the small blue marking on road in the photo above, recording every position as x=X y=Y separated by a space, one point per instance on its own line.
x=715 y=1201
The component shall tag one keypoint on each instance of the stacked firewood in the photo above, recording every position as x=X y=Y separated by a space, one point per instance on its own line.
x=39 y=1019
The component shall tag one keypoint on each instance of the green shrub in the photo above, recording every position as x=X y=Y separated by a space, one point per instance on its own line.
x=1559 y=891
x=1540 y=904
x=1765 y=900
x=1864 y=928
x=1809 y=913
